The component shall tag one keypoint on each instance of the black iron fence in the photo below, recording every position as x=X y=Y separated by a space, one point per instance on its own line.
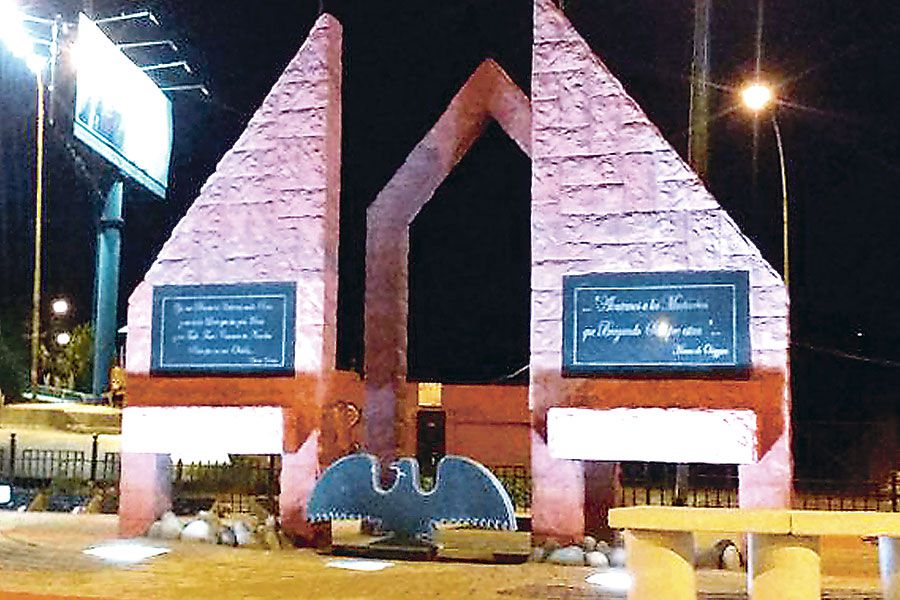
x=715 y=486
x=252 y=475
x=70 y=478
x=243 y=483
x=517 y=481
x=37 y=466
x=247 y=481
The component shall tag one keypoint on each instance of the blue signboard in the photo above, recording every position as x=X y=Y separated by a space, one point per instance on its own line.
x=656 y=322
x=239 y=328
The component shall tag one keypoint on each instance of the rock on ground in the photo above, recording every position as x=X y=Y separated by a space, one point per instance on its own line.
x=226 y=537
x=199 y=531
x=596 y=559
x=570 y=555
x=617 y=556
x=243 y=535
x=170 y=526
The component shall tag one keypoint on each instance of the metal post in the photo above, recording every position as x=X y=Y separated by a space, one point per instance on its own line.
x=698 y=138
x=895 y=490
x=38 y=221
x=106 y=290
x=270 y=487
x=12 y=455
x=784 y=203
x=95 y=447
x=682 y=475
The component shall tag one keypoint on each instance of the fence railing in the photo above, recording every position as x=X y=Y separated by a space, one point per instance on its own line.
x=712 y=487
x=244 y=474
x=42 y=465
x=257 y=478
x=517 y=481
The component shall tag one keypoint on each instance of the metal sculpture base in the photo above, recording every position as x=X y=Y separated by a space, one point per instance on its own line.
x=389 y=548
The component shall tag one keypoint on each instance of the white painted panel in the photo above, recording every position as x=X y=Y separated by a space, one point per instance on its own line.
x=672 y=435
x=202 y=433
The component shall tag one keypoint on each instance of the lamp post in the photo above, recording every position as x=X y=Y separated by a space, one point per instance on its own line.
x=759 y=97
x=14 y=36
x=38 y=219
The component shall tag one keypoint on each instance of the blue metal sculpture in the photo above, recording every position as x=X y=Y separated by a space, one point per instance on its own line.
x=464 y=492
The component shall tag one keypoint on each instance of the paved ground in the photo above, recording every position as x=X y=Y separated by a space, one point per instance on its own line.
x=40 y=553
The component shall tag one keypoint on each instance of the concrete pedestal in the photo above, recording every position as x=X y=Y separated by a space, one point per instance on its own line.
x=889 y=563
x=299 y=471
x=783 y=567
x=661 y=564
x=557 y=496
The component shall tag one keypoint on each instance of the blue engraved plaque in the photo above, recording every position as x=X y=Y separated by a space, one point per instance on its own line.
x=684 y=321
x=236 y=328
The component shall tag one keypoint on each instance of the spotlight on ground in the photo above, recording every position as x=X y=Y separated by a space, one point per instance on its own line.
x=124 y=553
x=359 y=565
x=613 y=580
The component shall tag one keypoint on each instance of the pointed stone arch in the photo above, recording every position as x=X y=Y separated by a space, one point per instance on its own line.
x=488 y=94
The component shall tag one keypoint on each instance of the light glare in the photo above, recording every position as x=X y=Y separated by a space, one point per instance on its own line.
x=757 y=96
x=63 y=338
x=14 y=36
x=125 y=553
x=663 y=329
x=614 y=580
x=60 y=306
x=359 y=565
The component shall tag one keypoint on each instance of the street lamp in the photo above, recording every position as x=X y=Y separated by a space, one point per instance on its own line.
x=759 y=97
x=15 y=37
x=63 y=338
x=60 y=307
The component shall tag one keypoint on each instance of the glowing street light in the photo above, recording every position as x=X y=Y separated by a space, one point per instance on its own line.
x=15 y=37
x=758 y=97
x=60 y=307
x=63 y=338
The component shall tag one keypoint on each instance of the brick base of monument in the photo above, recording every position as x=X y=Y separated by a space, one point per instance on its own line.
x=145 y=492
x=572 y=498
x=299 y=471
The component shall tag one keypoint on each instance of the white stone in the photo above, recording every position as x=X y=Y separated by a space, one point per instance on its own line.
x=199 y=531
x=570 y=555
x=243 y=535
x=617 y=556
x=597 y=560
x=227 y=537
x=731 y=558
x=170 y=526
x=155 y=530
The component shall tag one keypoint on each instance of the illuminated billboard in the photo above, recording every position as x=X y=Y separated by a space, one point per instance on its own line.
x=120 y=112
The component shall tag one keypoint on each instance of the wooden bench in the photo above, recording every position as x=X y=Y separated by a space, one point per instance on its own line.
x=783 y=548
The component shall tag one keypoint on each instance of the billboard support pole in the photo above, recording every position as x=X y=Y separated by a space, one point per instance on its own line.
x=106 y=287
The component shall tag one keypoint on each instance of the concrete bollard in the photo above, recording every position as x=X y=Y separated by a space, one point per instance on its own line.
x=661 y=564
x=783 y=567
x=889 y=563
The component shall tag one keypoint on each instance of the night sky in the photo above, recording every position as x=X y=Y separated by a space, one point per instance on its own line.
x=837 y=63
